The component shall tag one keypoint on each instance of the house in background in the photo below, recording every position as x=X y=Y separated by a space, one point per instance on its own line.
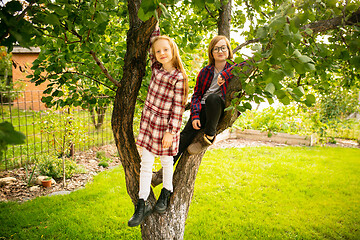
x=30 y=98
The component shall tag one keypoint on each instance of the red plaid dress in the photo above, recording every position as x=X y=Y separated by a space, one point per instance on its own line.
x=162 y=110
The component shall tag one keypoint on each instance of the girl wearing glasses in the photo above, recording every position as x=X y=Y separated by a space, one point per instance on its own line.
x=208 y=100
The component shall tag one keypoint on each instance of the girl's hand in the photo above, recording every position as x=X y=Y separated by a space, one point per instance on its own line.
x=196 y=124
x=220 y=80
x=167 y=140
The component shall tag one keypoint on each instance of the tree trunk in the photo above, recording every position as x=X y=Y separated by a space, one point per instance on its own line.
x=124 y=104
x=171 y=224
x=224 y=20
x=99 y=113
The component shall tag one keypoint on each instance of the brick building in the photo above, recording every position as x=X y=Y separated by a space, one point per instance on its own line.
x=23 y=58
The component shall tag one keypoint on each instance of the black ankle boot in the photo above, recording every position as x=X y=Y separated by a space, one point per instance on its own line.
x=163 y=201
x=142 y=210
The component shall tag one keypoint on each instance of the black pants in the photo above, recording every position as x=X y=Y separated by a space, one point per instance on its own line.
x=210 y=115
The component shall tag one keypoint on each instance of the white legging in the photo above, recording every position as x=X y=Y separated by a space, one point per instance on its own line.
x=147 y=161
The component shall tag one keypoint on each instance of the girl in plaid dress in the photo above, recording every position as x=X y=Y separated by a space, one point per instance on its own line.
x=160 y=121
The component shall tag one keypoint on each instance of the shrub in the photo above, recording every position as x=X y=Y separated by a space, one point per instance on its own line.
x=52 y=166
x=100 y=154
x=103 y=164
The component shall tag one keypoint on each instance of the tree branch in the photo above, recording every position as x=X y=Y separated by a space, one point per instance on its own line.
x=103 y=69
x=245 y=44
x=92 y=19
x=208 y=10
x=81 y=74
x=18 y=18
x=334 y=23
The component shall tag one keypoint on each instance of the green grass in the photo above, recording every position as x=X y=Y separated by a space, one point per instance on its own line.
x=277 y=193
x=247 y=193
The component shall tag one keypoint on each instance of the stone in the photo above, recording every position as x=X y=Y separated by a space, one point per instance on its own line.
x=59 y=193
x=34 y=188
x=39 y=179
x=7 y=181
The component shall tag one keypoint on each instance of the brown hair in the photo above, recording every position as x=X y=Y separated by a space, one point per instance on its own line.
x=177 y=63
x=212 y=44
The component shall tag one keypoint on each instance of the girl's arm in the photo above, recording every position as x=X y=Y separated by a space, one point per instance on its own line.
x=197 y=96
x=227 y=74
x=155 y=34
x=178 y=108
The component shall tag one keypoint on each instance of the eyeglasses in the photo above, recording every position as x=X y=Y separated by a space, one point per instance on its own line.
x=222 y=49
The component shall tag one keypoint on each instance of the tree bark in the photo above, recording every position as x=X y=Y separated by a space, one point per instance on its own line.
x=224 y=20
x=334 y=23
x=125 y=99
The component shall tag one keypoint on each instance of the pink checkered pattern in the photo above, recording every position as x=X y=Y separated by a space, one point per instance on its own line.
x=162 y=110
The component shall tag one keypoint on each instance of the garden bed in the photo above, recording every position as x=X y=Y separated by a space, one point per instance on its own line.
x=19 y=191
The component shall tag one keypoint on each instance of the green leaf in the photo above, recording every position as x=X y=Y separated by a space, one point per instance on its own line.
x=250 y=88
x=164 y=11
x=270 y=87
x=144 y=16
x=277 y=23
x=199 y=3
x=241 y=108
x=310 y=100
x=309 y=31
x=9 y=135
x=310 y=66
x=258 y=99
x=286 y=31
x=247 y=105
x=47 y=99
x=256 y=47
x=102 y=17
x=229 y=108
x=280 y=94
x=355 y=60
x=299 y=67
x=305 y=59
x=299 y=91
x=297 y=36
x=261 y=32
x=326 y=85
x=13 y=6
x=52 y=19
x=288 y=69
x=270 y=100
x=285 y=100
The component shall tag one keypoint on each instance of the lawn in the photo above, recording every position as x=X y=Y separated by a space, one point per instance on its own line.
x=245 y=193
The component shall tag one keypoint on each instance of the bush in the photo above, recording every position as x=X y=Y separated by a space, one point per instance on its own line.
x=286 y=119
x=294 y=119
x=338 y=104
x=100 y=154
x=103 y=164
x=52 y=166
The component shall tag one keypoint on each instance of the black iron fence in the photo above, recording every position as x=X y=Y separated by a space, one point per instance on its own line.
x=51 y=131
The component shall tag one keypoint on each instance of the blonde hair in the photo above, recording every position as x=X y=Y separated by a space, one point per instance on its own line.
x=212 y=44
x=176 y=61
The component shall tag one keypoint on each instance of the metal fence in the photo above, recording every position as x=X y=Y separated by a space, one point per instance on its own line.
x=50 y=131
